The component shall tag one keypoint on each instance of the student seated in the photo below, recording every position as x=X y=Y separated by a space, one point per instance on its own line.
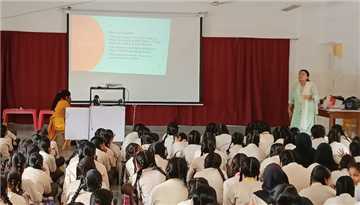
x=193 y=185
x=114 y=147
x=345 y=162
x=6 y=146
x=237 y=139
x=355 y=151
x=318 y=134
x=223 y=139
x=168 y=138
x=193 y=146
x=336 y=146
x=234 y=176
x=4 y=192
x=252 y=147
x=324 y=157
x=54 y=148
x=283 y=194
x=109 y=152
x=15 y=192
x=159 y=150
x=102 y=197
x=131 y=138
x=180 y=142
x=343 y=139
x=205 y=195
x=11 y=135
x=344 y=192
x=275 y=151
x=266 y=138
x=304 y=149
x=146 y=140
x=130 y=170
x=49 y=159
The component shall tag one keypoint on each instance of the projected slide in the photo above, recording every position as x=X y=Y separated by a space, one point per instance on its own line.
x=119 y=44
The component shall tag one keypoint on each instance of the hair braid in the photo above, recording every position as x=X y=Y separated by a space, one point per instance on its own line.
x=7 y=200
x=135 y=191
x=71 y=156
x=3 y=165
x=81 y=186
x=228 y=150
x=221 y=174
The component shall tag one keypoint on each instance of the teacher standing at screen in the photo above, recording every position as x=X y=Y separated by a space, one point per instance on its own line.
x=303 y=102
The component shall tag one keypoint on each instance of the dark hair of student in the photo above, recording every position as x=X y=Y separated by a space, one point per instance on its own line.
x=276 y=149
x=144 y=159
x=99 y=132
x=97 y=141
x=237 y=139
x=250 y=168
x=316 y=132
x=346 y=161
x=101 y=197
x=78 y=147
x=109 y=132
x=131 y=150
x=3 y=131
x=35 y=161
x=324 y=157
x=345 y=185
x=237 y=162
x=356 y=139
x=262 y=126
x=107 y=139
x=289 y=138
x=250 y=128
x=90 y=183
x=194 y=184
x=29 y=149
x=60 y=95
x=44 y=145
x=23 y=144
x=205 y=195
x=182 y=136
x=295 y=131
x=138 y=127
x=3 y=191
x=338 y=128
x=177 y=169
x=155 y=136
x=43 y=132
x=194 y=137
x=158 y=148
x=283 y=194
x=281 y=132
x=88 y=150
x=172 y=129
x=334 y=136
x=211 y=127
x=75 y=203
x=319 y=174
x=3 y=164
x=14 y=179
x=36 y=139
x=143 y=132
x=301 y=201
x=213 y=160
x=84 y=165
x=354 y=149
x=221 y=129
x=146 y=139
x=253 y=138
x=307 y=73
x=18 y=160
x=355 y=165
x=208 y=143
x=288 y=156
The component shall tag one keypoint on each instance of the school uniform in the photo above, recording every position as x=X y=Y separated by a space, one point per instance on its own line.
x=148 y=180
x=104 y=159
x=255 y=200
x=274 y=159
x=170 y=192
x=228 y=183
x=222 y=142
x=112 y=157
x=130 y=138
x=17 y=199
x=213 y=176
x=290 y=146
x=240 y=193
x=5 y=148
x=176 y=148
x=42 y=182
x=343 y=199
x=83 y=195
x=317 y=141
x=30 y=192
x=344 y=141
x=187 y=202
x=337 y=146
x=335 y=175
x=312 y=166
x=168 y=143
x=130 y=168
x=117 y=152
x=278 y=141
x=189 y=151
x=252 y=150
x=357 y=192
x=2 y=202
x=197 y=165
x=49 y=160
x=233 y=151
x=161 y=162
x=145 y=146
x=318 y=193
x=54 y=149
x=266 y=140
x=298 y=175
x=357 y=159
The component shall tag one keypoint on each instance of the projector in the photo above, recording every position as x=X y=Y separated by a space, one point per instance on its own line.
x=113 y=85
x=292 y=6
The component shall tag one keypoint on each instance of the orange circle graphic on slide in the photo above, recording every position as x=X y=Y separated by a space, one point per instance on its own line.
x=87 y=43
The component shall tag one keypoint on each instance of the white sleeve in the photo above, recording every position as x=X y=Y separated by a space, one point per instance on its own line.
x=54 y=149
x=28 y=187
x=190 y=172
x=52 y=163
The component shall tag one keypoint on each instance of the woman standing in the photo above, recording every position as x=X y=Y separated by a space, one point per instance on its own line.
x=61 y=101
x=303 y=101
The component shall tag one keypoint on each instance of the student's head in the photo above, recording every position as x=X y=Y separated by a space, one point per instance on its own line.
x=346 y=161
x=98 y=142
x=194 y=137
x=317 y=131
x=289 y=138
x=303 y=142
x=283 y=194
x=131 y=150
x=304 y=75
x=276 y=149
x=208 y=143
x=211 y=127
x=107 y=139
x=158 y=148
x=301 y=201
x=320 y=174
x=3 y=131
x=237 y=139
x=282 y=132
x=354 y=149
x=287 y=157
x=205 y=195
x=137 y=127
x=110 y=132
x=213 y=160
x=88 y=150
x=144 y=131
x=253 y=138
x=273 y=176
x=101 y=197
x=345 y=185
x=99 y=132
x=356 y=139
x=221 y=129
x=23 y=144
x=4 y=190
x=294 y=131
x=42 y=132
x=250 y=128
x=64 y=94
x=237 y=162
x=194 y=184
x=18 y=162
x=146 y=139
x=177 y=169
x=14 y=182
x=262 y=126
x=44 y=145
x=250 y=168
x=354 y=171
x=78 y=150
x=84 y=165
x=172 y=128
x=155 y=136
x=36 y=139
x=35 y=161
x=29 y=149
x=334 y=136
x=91 y=182
x=181 y=137
x=339 y=128
x=324 y=156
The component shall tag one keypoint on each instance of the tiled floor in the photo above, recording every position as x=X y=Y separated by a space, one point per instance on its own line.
x=26 y=131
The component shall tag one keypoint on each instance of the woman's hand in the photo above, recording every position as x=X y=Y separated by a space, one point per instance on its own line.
x=341 y=153
x=290 y=113
x=307 y=97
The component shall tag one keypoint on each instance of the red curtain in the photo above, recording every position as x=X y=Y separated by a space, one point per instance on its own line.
x=243 y=80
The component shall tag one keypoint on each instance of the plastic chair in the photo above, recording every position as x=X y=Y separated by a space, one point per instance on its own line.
x=347 y=124
x=33 y=112
x=41 y=117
